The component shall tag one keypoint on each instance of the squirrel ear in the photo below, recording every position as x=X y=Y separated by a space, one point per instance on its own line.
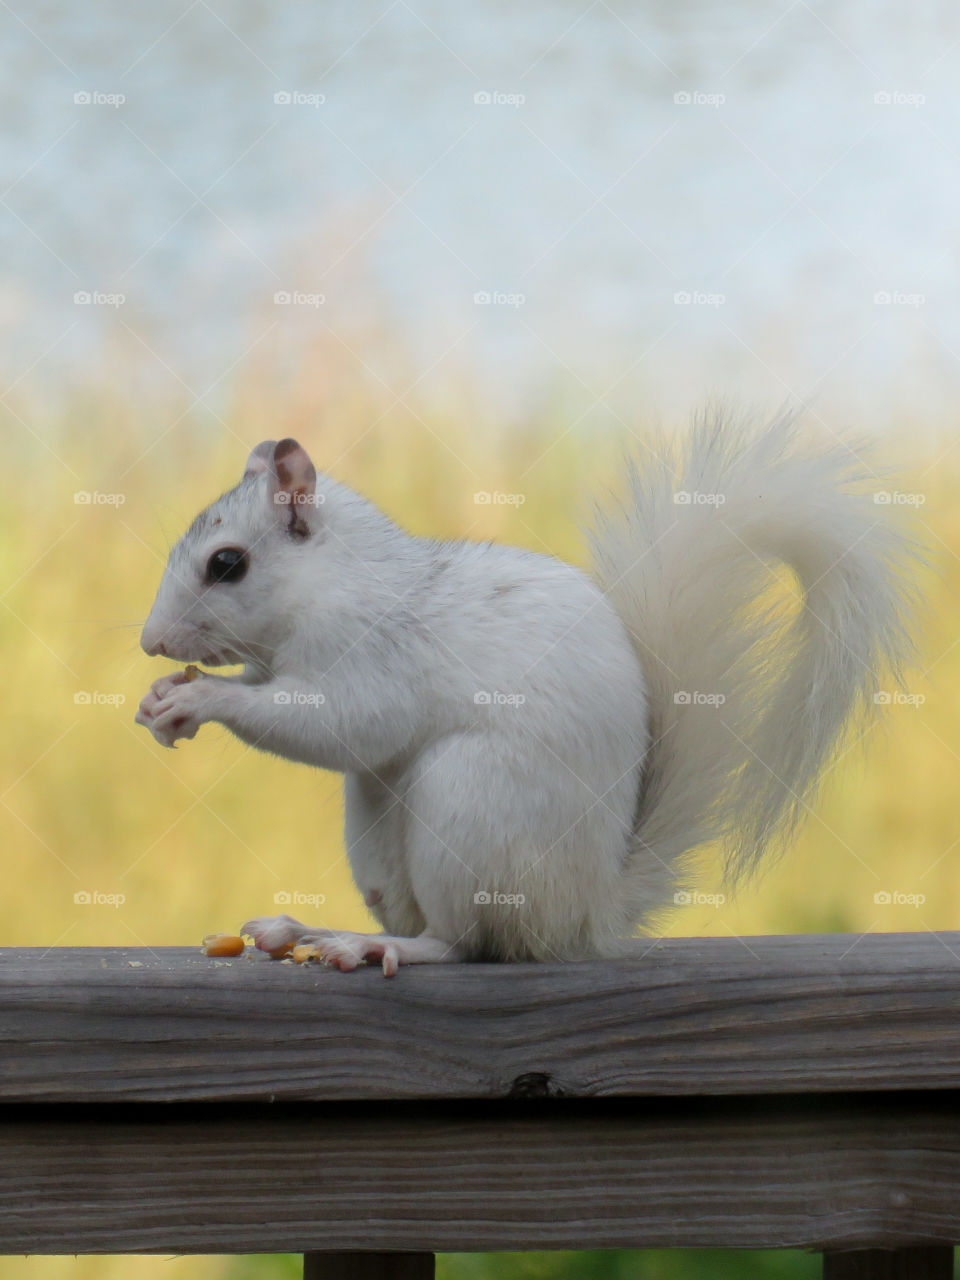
x=293 y=484
x=261 y=459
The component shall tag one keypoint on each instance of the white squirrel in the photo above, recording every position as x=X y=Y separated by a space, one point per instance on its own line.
x=531 y=752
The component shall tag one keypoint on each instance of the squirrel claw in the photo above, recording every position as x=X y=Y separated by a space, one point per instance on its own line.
x=346 y=951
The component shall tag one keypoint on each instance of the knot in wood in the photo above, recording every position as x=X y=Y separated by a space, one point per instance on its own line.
x=535 y=1084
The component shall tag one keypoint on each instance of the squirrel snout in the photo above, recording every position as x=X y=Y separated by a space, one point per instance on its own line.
x=151 y=642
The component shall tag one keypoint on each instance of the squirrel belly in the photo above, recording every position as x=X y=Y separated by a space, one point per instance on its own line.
x=515 y=805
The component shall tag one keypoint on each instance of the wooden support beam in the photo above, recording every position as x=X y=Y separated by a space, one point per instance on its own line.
x=890 y=1264
x=369 y=1266
x=840 y=1172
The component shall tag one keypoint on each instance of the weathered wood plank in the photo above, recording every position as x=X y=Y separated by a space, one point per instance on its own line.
x=688 y=1016
x=834 y=1172
x=371 y=1266
x=890 y=1264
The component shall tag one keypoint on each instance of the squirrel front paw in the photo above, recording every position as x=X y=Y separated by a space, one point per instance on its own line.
x=156 y=694
x=175 y=708
x=278 y=934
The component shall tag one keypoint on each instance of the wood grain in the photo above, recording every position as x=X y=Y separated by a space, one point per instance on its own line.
x=686 y=1017
x=836 y=1173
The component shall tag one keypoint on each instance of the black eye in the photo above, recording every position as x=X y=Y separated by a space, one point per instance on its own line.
x=227 y=565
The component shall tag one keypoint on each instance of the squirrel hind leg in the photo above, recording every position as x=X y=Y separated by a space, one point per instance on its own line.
x=345 y=951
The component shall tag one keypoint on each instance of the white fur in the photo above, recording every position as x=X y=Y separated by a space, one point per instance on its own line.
x=520 y=780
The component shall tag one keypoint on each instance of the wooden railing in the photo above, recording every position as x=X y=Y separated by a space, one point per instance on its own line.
x=747 y=1093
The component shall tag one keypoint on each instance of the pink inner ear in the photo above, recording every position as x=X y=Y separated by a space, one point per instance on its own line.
x=261 y=459
x=295 y=472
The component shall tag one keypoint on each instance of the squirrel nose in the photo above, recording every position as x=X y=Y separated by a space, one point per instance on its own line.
x=151 y=642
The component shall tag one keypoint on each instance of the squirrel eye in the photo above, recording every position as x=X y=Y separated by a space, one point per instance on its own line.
x=229 y=564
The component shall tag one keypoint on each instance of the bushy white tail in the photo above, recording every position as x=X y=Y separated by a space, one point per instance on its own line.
x=748 y=696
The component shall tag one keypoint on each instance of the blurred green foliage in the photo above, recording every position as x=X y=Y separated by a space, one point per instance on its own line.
x=613 y=1264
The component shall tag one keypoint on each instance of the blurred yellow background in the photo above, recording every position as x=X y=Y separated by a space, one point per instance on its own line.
x=205 y=836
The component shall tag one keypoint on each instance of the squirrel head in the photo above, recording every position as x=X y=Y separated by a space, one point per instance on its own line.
x=227 y=585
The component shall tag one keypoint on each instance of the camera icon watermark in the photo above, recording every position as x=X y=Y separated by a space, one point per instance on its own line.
x=895 y=498
x=96 y=698
x=694 y=498
x=97 y=298
x=494 y=498
x=298 y=898
x=298 y=298
x=897 y=898
x=488 y=898
x=897 y=298
x=898 y=698
x=283 y=498
x=694 y=698
x=897 y=98
x=299 y=698
x=495 y=698
x=697 y=98
x=296 y=98
x=698 y=298
x=86 y=498
x=498 y=298
x=95 y=98
x=496 y=98
x=95 y=898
